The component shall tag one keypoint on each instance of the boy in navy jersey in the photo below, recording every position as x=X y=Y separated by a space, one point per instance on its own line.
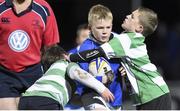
x=149 y=90
x=100 y=23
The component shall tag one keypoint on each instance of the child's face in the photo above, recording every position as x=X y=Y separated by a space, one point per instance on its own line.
x=131 y=22
x=82 y=36
x=101 y=29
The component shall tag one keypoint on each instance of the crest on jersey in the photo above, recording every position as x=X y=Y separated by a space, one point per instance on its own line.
x=18 y=40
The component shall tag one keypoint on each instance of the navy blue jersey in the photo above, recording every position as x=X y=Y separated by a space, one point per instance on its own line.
x=115 y=86
x=74 y=50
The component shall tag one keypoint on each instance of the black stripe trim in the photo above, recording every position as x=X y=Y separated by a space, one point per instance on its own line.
x=3 y=7
x=41 y=10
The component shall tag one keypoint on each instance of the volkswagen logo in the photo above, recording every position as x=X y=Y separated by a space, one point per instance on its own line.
x=18 y=40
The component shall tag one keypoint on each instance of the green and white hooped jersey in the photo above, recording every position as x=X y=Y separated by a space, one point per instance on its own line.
x=52 y=84
x=147 y=83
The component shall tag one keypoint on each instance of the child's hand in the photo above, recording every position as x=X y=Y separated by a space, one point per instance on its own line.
x=122 y=71
x=107 y=95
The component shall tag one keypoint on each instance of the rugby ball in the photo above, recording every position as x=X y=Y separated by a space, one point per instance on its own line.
x=99 y=67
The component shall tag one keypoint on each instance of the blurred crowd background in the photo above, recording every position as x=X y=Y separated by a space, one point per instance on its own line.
x=163 y=46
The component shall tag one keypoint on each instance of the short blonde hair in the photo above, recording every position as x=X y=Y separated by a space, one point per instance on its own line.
x=98 y=12
x=148 y=19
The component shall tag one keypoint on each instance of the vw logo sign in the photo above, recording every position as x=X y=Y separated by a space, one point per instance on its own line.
x=18 y=40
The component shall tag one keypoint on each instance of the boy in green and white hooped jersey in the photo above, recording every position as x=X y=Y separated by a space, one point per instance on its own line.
x=53 y=90
x=150 y=90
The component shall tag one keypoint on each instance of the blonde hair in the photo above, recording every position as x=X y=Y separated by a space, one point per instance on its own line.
x=99 y=12
x=148 y=19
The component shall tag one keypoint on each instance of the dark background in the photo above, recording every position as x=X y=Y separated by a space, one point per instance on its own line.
x=163 y=46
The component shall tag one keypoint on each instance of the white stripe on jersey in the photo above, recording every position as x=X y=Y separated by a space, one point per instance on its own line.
x=2 y=3
x=47 y=88
x=131 y=52
x=159 y=81
x=125 y=42
x=5 y=11
x=41 y=20
x=131 y=77
x=149 y=67
x=41 y=7
x=58 y=79
x=137 y=35
x=108 y=50
x=140 y=51
x=59 y=65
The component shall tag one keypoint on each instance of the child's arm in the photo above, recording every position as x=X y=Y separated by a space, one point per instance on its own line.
x=87 y=55
x=117 y=47
x=76 y=73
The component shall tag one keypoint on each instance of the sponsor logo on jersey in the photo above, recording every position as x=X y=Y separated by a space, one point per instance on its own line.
x=91 y=54
x=18 y=40
x=5 y=20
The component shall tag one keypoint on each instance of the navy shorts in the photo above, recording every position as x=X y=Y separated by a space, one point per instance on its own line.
x=38 y=103
x=13 y=84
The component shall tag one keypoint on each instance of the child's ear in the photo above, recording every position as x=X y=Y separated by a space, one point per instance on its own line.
x=140 y=29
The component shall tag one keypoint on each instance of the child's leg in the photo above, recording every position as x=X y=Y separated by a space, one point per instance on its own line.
x=161 y=103
x=93 y=101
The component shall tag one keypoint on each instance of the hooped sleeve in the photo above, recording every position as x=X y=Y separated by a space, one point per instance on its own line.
x=82 y=76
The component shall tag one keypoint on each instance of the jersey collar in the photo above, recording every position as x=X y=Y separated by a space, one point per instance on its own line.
x=10 y=4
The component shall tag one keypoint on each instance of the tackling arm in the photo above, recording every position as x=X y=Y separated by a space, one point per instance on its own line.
x=76 y=73
x=87 y=55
